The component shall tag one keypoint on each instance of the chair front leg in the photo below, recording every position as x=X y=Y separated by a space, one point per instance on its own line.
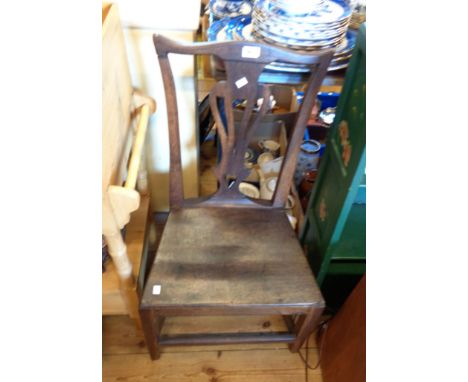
x=151 y=324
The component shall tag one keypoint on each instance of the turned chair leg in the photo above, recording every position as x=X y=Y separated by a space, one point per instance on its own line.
x=118 y=253
x=306 y=328
x=151 y=324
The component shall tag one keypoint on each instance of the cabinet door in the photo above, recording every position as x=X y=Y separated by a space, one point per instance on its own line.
x=342 y=167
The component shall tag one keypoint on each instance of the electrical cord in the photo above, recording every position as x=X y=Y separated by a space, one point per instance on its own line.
x=320 y=331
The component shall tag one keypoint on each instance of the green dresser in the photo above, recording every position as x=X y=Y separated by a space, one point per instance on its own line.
x=334 y=230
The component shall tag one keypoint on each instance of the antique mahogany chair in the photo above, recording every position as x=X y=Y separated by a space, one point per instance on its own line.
x=228 y=254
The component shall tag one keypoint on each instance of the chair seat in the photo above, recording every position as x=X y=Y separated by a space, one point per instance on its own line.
x=230 y=257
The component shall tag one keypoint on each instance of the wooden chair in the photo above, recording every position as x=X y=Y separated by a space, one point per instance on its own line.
x=228 y=254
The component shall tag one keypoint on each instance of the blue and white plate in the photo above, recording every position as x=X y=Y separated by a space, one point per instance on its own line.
x=281 y=28
x=243 y=29
x=328 y=11
x=298 y=8
x=300 y=31
x=314 y=25
x=230 y=8
x=300 y=44
x=240 y=29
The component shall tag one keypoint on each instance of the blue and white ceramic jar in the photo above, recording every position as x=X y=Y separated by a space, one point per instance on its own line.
x=307 y=160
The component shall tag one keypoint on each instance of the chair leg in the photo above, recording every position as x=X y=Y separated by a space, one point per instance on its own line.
x=151 y=324
x=289 y=321
x=123 y=265
x=298 y=323
x=307 y=326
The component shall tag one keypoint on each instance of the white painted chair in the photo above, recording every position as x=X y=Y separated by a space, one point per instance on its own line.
x=125 y=119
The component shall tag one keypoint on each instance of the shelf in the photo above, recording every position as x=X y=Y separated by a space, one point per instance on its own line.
x=347 y=268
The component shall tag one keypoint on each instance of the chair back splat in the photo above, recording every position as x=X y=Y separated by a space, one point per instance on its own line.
x=243 y=62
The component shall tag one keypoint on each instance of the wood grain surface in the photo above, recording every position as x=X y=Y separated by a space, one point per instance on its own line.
x=216 y=256
x=344 y=348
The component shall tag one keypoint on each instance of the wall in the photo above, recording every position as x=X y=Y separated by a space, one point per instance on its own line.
x=140 y=20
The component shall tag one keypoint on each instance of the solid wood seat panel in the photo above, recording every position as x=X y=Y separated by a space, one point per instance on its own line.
x=236 y=256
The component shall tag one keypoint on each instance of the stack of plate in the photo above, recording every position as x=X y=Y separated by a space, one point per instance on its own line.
x=229 y=8
x=305 y=26
x=241 y=29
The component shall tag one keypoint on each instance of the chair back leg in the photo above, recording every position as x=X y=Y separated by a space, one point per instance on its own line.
x=306 y=328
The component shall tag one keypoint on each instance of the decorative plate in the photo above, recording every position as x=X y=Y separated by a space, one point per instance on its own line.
x=230 y=8
x=240 y=28
x=330 y=11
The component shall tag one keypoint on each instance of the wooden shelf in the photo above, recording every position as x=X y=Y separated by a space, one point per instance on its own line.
x=112 y=302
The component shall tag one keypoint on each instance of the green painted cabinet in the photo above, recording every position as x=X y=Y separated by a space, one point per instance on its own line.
x=334 y=226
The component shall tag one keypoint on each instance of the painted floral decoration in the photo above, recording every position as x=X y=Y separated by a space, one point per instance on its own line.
x=345 y=143
x=344 y=131
x=322 y=210
x=346 y=155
